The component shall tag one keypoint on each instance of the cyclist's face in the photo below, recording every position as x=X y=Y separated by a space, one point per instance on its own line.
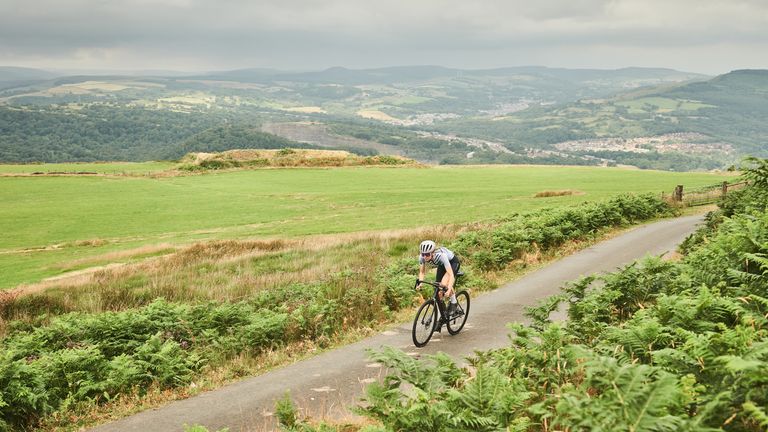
x=427 y=255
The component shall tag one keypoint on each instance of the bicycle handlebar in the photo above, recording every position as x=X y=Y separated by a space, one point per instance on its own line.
x=434 y=284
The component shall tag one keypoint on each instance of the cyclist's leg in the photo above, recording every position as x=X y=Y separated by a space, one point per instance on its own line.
x=455 y=266
x=451 y=293
x=441 y=277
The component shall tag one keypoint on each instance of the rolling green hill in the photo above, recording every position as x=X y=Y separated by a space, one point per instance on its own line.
x=694 y=125
x=735 y=111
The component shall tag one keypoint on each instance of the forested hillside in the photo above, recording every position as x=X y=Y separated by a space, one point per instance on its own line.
x=736 y=112
x=96 y=133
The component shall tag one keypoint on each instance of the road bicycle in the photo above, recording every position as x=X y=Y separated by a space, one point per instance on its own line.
x=427 y=322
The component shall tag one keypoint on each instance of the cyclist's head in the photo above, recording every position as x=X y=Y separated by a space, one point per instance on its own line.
x=427 y=247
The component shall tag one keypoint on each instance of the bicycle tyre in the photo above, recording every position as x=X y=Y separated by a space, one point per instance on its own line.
x=424 y=323
x=456 y=324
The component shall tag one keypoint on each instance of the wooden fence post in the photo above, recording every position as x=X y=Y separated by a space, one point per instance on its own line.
x=725 y=188
x=679 y=193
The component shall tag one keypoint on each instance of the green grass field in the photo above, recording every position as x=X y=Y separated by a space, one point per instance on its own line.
x=53 y=225
x=112 y=168
x=661 y=104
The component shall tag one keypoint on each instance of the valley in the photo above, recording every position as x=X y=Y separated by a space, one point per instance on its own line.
x=680 y=121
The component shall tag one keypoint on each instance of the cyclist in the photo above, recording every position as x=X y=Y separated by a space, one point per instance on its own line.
x=448 y=265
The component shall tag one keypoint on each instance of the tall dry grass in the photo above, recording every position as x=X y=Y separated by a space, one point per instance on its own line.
x=224 y=271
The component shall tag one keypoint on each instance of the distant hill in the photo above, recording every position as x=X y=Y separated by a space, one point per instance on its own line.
x=399 y=92
x=17 y=76
x=702 y=124
x=340 y=75
x=736 y=111
x=744 y=78
x=648 y=117
x=8 y=73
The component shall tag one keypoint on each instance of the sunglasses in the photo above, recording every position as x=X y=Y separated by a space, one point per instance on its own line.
x=426 y=254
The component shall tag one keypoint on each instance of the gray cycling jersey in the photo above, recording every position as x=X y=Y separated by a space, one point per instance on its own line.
x=439 y=256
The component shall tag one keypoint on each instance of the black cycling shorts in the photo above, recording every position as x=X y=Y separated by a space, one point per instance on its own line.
x=455 y=265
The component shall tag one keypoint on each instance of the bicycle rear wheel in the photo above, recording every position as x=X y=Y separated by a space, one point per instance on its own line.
x=459 y=318
x=424 y=323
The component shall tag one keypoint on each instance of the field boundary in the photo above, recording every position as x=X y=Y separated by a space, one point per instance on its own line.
x=703 y=195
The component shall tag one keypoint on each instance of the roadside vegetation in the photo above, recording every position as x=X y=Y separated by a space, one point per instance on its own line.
x=175 y=321
x=657 y=345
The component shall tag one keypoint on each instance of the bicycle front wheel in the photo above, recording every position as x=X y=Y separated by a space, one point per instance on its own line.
x=459 y=318
x=424 y=323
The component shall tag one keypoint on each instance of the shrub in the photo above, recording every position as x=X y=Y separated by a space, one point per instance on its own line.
x=285 y=152
x=24 y=395
x=216 y=164
x=555 y=193
x=397 y=280
x=285 y=411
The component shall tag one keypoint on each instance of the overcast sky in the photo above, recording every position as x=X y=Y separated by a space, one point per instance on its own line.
x=707 y=36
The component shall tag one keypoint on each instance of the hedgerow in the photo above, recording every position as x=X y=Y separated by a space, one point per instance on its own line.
x=527 y=233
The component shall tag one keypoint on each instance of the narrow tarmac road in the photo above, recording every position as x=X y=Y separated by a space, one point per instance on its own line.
x=325 y=385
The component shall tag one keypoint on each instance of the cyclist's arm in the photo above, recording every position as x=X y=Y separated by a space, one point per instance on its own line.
x=422 y=271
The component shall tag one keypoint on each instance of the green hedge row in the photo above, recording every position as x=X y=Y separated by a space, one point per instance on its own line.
x=548 y=229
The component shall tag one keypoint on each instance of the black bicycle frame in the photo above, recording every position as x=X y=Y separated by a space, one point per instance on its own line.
x=438 y=287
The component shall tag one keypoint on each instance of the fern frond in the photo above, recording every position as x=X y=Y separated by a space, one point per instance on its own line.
x=756 y=413
x=540 y=313
x=631 y=397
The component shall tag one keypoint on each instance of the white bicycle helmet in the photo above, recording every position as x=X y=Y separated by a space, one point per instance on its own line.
x=427 y=246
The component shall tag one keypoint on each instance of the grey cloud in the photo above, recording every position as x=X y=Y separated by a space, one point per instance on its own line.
x=313 y=33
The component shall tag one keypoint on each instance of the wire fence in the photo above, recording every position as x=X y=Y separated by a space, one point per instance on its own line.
x=703 y=195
